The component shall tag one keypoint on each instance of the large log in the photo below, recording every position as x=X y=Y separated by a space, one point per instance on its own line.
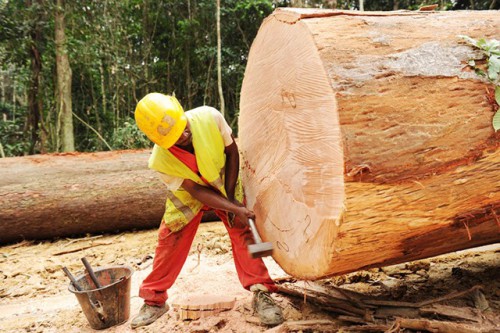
x=366 y=141
x=47 y=196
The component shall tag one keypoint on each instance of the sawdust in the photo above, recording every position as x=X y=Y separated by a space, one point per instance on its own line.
x=34 y=294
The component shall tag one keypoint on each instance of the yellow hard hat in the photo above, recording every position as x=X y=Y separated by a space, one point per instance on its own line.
x=161 y=118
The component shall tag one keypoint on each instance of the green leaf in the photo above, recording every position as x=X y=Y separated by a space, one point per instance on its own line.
x=493 y=67
x=479 y=72
x=481 y=43
x=468 y=40
x=496 y=121
x=497 y=94
x=490 y=46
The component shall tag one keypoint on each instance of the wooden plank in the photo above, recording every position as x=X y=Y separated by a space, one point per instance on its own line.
x=193 y=307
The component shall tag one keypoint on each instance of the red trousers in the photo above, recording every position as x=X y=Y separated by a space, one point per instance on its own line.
x=173 y=249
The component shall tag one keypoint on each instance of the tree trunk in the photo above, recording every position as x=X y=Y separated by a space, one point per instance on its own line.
x=2 y=85
x=63 y=82
x=365 y=140
x=14 y=94
x=34 y=100
x=219 y=60
x=46 y=196
x=103 y=96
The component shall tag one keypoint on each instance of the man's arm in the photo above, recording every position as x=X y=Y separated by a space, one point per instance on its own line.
x=232 y=169
x=215 y=200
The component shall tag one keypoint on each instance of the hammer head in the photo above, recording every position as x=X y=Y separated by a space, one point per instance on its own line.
x=260 y=250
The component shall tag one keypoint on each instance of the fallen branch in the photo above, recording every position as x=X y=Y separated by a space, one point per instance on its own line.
x=438 y=326
x=327 y=302
x=320 y=325
x=81 y=248
x=452 y=295
x=71 y=241
x=452 y=312
x=199 y=247
x=20 y=244
x=350 y=319
x=93 y=130
x=352 y=296
x=390 y=312
x=370 y=328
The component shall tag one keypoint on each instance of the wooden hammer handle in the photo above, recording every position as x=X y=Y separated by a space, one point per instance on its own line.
x=253 y=228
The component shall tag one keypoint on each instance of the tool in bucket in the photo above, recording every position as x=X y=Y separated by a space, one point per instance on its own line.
x=259 y=249
x=103 y=294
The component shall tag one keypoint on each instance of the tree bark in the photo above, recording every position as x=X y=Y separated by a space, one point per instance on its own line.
x=366 y=141
x=34 y=100
x=219 y=62
x=14 y=93
x=64 y=101
x=47 y=196
x=2 y=85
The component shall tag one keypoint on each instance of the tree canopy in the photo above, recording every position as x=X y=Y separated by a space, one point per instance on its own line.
x=118 y=51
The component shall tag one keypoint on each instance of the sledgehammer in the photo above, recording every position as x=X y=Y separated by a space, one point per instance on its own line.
x=259 y=249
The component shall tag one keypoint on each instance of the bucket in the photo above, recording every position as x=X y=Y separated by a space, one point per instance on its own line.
x=109 y=305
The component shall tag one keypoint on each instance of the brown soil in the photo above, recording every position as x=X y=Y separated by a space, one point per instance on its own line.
x=34 y=294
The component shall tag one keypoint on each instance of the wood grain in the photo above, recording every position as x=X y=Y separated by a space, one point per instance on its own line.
x=366 y=140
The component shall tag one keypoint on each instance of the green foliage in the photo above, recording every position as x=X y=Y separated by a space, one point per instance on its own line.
x=490 y=50
x=129 y=137
x=12 y=139
x=121 y=50
x=496 y=117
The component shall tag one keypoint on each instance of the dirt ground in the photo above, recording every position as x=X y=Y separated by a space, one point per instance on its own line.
x=34 y=294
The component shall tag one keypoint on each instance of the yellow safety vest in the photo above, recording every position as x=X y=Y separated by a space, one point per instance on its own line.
x=208 y=144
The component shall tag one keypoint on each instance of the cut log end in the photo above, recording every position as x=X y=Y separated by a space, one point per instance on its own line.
x=302 y=171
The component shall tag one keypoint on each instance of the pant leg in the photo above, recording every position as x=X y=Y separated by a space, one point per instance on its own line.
x=170 y=256
x=250 y=271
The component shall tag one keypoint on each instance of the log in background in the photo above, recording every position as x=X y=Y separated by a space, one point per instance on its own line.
x=366 y=140
x=47 y=196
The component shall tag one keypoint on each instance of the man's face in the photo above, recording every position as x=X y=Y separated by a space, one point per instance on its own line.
x=185 y=138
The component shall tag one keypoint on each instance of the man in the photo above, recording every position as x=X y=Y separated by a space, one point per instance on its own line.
x=198 y=160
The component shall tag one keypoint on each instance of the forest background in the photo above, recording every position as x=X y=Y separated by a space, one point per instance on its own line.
x=71 y=72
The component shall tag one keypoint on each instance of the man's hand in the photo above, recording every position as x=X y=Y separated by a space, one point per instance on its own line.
x=242 y=214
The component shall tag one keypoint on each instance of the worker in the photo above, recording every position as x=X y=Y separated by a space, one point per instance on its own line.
x=197 y=158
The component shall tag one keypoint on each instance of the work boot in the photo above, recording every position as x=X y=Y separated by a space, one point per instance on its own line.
x=262 y=303
x=148 y=315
